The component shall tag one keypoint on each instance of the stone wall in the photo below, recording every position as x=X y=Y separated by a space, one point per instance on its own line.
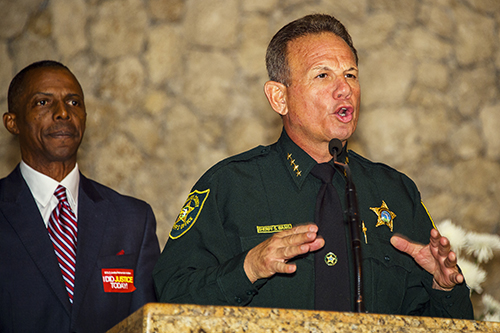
x=173 y=86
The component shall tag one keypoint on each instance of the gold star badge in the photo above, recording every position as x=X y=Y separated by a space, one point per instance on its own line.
x=385 y=216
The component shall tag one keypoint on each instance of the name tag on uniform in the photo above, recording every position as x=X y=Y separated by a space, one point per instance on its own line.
x=118 y=280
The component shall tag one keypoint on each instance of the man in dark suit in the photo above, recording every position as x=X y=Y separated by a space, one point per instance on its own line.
x=50 y=281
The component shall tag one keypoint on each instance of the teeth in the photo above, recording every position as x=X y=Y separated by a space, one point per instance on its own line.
x=342 y=112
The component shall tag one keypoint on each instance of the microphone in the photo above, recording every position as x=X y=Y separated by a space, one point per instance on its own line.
x=353 y=219
x=335 y=147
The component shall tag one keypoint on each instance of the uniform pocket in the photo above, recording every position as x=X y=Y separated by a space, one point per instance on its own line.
x=386 y=272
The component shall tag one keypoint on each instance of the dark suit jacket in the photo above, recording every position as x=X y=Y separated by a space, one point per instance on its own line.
x=32 y=293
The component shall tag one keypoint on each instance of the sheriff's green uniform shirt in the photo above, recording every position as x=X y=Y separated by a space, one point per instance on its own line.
x=244 y=199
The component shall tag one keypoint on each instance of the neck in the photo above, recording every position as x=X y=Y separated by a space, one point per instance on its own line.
x=55 y=170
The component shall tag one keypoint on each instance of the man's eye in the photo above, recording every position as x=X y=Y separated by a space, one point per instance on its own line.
x=350 y=76
x=322 y=75
x=43 y=102
x=74 y=103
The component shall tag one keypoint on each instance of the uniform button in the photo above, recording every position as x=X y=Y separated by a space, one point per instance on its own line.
x=387 y=258
x=238 y=300
x=448 y=296
x=250 y=292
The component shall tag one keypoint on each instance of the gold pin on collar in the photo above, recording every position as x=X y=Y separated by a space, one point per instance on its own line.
x=295 y=166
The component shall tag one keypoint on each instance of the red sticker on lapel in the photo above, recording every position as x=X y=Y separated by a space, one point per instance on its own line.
x=118 y=280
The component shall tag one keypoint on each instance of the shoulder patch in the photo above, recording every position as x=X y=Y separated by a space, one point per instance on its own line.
x=189 y=213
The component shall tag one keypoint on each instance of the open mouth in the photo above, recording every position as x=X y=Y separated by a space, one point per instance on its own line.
x=345 y=114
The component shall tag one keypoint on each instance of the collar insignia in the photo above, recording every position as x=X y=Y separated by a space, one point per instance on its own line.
x=295 y=166
x=385 y=216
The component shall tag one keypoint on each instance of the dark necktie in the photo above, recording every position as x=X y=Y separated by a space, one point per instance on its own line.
x=62 y=231
x=331 y=267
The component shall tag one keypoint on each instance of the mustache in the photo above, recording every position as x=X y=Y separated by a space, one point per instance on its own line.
x=62 y=129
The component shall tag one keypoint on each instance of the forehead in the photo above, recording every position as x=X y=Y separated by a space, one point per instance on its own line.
x=51 y=80
x=312 y=49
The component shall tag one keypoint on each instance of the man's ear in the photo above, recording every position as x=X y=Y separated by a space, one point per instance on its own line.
x=9 y=121
x=276 y=95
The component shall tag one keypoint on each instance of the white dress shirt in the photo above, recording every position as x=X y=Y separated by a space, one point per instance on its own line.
x=42 y=188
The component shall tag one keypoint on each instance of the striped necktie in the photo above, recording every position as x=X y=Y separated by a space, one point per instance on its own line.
x=62 y=231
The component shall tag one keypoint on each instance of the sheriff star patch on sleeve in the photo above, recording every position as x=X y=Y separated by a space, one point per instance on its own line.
x=189 y=213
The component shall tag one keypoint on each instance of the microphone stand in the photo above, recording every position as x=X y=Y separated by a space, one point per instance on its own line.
x=353 y=220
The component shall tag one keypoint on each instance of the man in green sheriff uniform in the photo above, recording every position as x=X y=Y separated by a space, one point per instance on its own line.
x=245 y=235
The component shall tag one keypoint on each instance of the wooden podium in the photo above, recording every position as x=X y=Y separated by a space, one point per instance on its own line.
x=179 y=318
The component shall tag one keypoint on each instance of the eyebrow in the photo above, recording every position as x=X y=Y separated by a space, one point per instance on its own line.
x=326 y=68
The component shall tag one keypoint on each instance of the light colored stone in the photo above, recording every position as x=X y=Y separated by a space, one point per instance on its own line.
x=487 y=6
x=473 y=88
x=474 y=41
x=170 y=10
x=14 y=16
x=390 y=135
x=68 y=21
x=490 y=121
x=348 y=12
x=156 y=102
x=40 y=23
x=87 y=70
x=144 y=131
x=433 y=75
x=182 y=137
x=122 y=81
x=373 y=32
x=259 y=5
x=118 y=160
x=100 y=115
x=252 y=52
x=423 y=45
x=6 y=72
x=385 y=76
x=244 y=134
x=438 y=19
x=405 y=11
x=203 y=22
x=212 y=75
x=119 y=28
x=164 y=53
x=466 y=141
x=29 y=48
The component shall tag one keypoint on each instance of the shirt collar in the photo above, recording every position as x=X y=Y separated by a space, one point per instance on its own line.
x=43 y=187
x=298 y=162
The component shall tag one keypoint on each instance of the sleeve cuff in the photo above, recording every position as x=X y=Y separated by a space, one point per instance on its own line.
x=235 y=285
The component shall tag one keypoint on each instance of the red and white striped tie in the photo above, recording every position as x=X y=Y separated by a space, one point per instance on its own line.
x=62 y=231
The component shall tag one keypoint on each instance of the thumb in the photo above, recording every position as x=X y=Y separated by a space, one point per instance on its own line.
x=403 y=245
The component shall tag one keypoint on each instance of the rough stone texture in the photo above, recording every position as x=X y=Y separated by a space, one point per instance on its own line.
x=173 y=86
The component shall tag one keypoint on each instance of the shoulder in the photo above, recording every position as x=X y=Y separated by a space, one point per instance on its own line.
x=237 y=165
x=97 y=191
x=376 y=171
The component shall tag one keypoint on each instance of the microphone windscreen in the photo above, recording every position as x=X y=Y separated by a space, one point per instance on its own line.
x=335 y=147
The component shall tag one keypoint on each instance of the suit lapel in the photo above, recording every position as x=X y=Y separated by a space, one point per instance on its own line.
x=20 y=210
x=93 y=214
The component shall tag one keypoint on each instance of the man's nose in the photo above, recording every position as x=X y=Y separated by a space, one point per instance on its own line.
x=60 y=111
x=343 y=90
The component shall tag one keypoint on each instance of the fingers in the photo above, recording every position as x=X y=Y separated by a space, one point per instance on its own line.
x=406 y=246
x=271 y=256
